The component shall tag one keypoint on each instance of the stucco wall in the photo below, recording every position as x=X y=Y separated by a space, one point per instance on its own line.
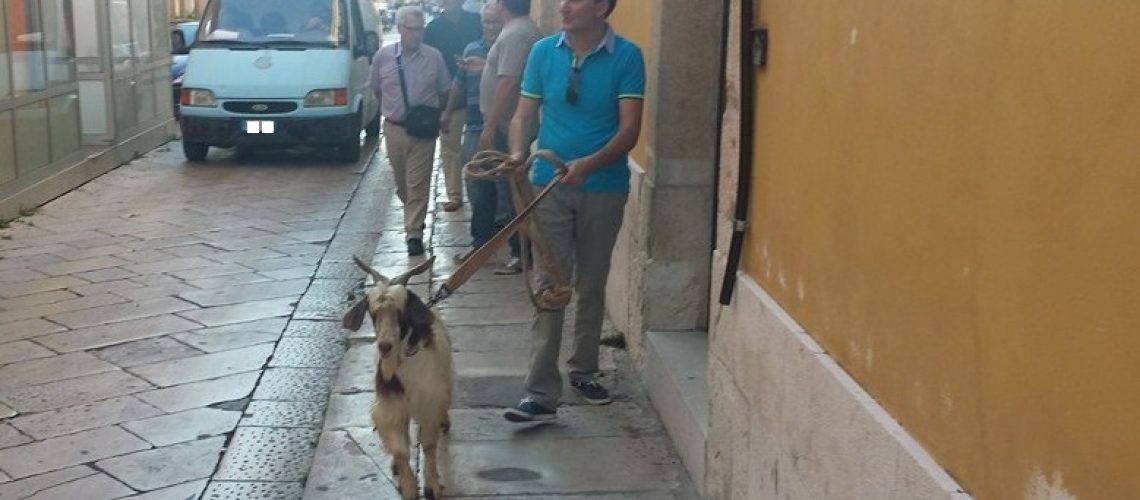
x=946 y=198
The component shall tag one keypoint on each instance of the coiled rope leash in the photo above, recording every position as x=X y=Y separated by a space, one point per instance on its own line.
x=491 y=165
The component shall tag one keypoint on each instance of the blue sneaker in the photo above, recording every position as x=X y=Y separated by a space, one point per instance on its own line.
x=529 y=411
x=591 y=391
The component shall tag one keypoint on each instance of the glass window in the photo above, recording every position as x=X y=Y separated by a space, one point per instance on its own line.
x=124 y=95
x=249 y=22
x=64 y=116
x=140 y=30
x=26 y=46
x=144 y=97
x=31 y=125
x=58 y=44
x=121 y=51
x=159 y=29
x=86 y=33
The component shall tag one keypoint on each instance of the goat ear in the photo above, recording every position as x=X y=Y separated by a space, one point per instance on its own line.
x=417 y=312
x=355 y=316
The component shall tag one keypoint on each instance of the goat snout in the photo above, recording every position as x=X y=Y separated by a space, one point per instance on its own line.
x=385 y=347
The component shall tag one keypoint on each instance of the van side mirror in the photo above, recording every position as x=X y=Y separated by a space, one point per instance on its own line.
x=178 y=43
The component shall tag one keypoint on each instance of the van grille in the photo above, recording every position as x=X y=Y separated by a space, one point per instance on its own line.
x=259 y=107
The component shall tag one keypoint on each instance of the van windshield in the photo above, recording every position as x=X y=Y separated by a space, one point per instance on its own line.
x=320 y=23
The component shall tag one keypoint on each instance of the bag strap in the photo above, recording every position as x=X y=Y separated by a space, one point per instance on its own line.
x=403 y=83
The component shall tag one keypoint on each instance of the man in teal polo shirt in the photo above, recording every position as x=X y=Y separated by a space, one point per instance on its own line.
x=589 y=84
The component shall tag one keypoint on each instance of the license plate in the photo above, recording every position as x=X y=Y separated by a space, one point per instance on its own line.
x=259 y=127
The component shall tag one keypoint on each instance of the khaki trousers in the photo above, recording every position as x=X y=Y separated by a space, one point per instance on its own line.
x=411 y=161
x=450 y=151
x=581 y=228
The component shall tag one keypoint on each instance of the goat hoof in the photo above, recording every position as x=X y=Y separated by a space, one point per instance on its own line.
x=429 y=494
x=445 y=427
x=395 y=471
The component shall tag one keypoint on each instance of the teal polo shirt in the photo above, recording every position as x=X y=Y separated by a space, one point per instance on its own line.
x=613 y=71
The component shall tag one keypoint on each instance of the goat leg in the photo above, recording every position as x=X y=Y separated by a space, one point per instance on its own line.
x=429 y=436
x=392 y=427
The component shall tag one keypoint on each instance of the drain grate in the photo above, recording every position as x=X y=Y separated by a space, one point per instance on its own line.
x=284 y=414
x=235 y=490
x=308 y=352
x=295 y=384
x=269 y=454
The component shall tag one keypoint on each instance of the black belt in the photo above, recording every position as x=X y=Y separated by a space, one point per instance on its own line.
x=394 y=122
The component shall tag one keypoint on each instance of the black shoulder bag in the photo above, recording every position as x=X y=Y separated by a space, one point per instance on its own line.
x=422 y=121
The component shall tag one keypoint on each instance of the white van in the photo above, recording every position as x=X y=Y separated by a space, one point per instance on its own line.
x=281 y=72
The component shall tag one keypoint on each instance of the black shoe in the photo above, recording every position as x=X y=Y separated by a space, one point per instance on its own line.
x=529 y=411
x=593 y=392
x=415 y=247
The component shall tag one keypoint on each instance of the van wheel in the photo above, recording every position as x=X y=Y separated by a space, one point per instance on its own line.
x=195 y=151
x=349 y=150
x=373 y=127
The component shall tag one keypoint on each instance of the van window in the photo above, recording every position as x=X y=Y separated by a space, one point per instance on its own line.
x=261 y=22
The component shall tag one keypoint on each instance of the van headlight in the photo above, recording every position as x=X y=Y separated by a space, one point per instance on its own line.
x=197 y=97
x=327 y=97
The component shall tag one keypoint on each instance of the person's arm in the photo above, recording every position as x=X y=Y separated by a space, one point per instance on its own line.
x=456 y=98
x=525 y=115
x=505 y=88
x=629 y=128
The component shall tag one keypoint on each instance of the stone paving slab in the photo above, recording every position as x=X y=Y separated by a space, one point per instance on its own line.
x=224 y=338
x=46 y=370
x=241 y=313
x=94 y=337
x=93 y=487
x=180 y=427
x=199 y=394
x=24 y=488
x=184 y=491
x=73 y=391
x=146 y=351
x=10 y=436
x=68 y=420
x=61 y=452
x=22 y=351
x=206 y=366
x=162 y=467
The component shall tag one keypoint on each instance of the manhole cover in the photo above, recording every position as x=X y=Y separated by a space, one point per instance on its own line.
x=509 y=474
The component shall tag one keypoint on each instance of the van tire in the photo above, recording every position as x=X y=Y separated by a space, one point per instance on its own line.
x=349 y=150
x=373 y=127
x=195 y=151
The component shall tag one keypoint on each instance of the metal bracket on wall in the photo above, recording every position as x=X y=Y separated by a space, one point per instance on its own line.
x=759 y=47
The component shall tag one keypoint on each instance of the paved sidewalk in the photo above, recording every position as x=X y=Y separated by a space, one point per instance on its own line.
x=613 y=452
x=139 y=312
x=171 y=331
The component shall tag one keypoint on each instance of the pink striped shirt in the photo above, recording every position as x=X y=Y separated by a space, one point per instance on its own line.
x=426 y=74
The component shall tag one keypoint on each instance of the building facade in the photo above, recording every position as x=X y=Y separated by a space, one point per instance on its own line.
x=934 y=299
x=84 y=85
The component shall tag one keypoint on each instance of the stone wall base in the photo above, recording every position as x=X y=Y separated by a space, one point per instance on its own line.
x=786 y=421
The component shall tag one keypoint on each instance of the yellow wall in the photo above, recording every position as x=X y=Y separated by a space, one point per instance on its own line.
x=947 y=196
x=634 y=20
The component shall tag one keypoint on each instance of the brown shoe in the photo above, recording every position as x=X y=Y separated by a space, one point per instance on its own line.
x=452 y=206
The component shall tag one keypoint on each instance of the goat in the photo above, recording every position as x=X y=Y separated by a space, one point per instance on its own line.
x=413 y=373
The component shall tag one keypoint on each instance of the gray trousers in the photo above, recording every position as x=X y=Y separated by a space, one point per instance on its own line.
x=582 y=228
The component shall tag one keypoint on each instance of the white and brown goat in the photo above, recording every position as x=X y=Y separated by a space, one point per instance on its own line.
x=413 y=374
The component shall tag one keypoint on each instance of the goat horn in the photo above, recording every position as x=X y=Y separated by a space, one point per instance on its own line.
x=376 y=276
x=403 y=278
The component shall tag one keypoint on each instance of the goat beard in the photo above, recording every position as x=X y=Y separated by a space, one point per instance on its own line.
x=388 y=369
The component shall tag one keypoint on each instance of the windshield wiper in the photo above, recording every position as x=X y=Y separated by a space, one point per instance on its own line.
x=300 y=44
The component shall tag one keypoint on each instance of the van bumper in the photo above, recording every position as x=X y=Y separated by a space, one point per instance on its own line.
x=226 y=132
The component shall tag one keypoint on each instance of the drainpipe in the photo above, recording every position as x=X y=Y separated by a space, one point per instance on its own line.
x=744 y=176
